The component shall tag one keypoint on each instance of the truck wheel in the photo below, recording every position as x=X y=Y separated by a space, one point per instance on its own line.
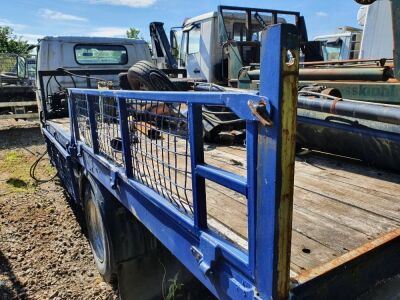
x=98 y=232
x=149 y=77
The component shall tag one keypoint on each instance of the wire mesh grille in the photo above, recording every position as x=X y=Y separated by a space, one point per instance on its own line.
x=159 y=143
x=108 y=128
x=160 y=150
x=82 y=114
x=8 y=63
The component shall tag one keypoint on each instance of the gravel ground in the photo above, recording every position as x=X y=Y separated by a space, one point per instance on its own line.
x=44 y=253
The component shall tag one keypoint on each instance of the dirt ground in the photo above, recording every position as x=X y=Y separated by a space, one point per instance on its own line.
x=44 y=253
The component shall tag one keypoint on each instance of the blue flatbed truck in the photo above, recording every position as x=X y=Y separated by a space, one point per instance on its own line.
x=247 y=222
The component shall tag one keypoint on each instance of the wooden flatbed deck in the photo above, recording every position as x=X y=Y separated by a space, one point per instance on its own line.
x=339 y=204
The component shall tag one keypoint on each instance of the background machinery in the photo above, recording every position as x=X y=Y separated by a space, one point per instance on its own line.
x=220 y=51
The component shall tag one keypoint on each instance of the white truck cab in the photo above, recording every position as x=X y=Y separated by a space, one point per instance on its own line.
x=88 y=53
x=342 y=45
x=207 y=40
x=68 y=61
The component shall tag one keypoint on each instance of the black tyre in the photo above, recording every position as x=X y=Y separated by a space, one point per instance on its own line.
x=115 y=235
x=149 y=77
x=95 y=206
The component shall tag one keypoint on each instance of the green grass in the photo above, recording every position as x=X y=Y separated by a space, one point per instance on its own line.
x=15 y=166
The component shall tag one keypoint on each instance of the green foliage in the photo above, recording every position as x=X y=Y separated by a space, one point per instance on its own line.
x=133 y=33
x=10 y=43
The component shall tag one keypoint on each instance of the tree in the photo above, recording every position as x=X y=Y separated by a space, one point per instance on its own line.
x=10 y=43
x=133 y=33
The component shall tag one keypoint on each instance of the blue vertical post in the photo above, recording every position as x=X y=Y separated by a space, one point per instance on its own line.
x=275 y=162
x=125 y=136
x=251 y=143
x=73 y=119
x=195 y=119
x=92 y=122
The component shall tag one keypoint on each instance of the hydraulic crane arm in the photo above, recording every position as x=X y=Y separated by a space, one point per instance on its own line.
x=161 y=45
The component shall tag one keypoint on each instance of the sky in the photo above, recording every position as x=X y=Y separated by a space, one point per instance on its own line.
x=34 y=19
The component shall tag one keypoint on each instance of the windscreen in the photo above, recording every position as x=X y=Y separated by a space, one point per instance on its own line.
x=101 y=55
x=236 y=20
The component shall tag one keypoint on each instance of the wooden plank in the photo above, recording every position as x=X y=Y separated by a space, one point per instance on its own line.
x=327 y=232
x=354 y=273
x=20 y=116
x=18 y=104
x=354 y=183
x=358 y=174
x=307 y=253
x=350 y=216
x=370 y=203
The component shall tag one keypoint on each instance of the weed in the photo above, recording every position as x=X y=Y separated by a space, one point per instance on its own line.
x=17 y=183
x=175 y=288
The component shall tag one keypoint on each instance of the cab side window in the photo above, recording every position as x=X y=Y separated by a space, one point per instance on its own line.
x=194 y=39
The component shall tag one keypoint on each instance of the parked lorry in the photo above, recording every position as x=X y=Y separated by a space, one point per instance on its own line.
x=17 y=94
x=239 y=222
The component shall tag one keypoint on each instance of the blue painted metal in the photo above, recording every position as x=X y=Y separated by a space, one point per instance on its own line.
x=222 y=177
x=73 y=123
x=125 y=136
x=67 y=169
x=270 y=168
x=92 y=123
x=237 y=102
x=224 y=268
x=252 y=157
x=197 y=157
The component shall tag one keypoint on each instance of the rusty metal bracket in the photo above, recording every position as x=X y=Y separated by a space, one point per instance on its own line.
x=259 y=110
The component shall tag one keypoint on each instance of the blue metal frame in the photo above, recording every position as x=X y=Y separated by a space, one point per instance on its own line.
x=225 y=269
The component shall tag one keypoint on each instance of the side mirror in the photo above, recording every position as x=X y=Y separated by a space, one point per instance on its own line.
x=174 y=35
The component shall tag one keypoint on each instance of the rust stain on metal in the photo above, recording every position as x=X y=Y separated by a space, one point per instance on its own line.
x=312 y=273
x=333 y=106
x=288 y=131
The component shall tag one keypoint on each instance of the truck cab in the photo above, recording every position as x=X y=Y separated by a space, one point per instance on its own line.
x=343 y=45
x=215 y=46
x=82 y=62
x=373 y=40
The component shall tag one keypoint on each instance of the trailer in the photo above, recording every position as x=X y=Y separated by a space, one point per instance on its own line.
x=242 y=222
x=17 y=93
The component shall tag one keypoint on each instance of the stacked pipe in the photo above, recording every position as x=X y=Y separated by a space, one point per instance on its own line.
x=353 y=73
x=372 y=112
